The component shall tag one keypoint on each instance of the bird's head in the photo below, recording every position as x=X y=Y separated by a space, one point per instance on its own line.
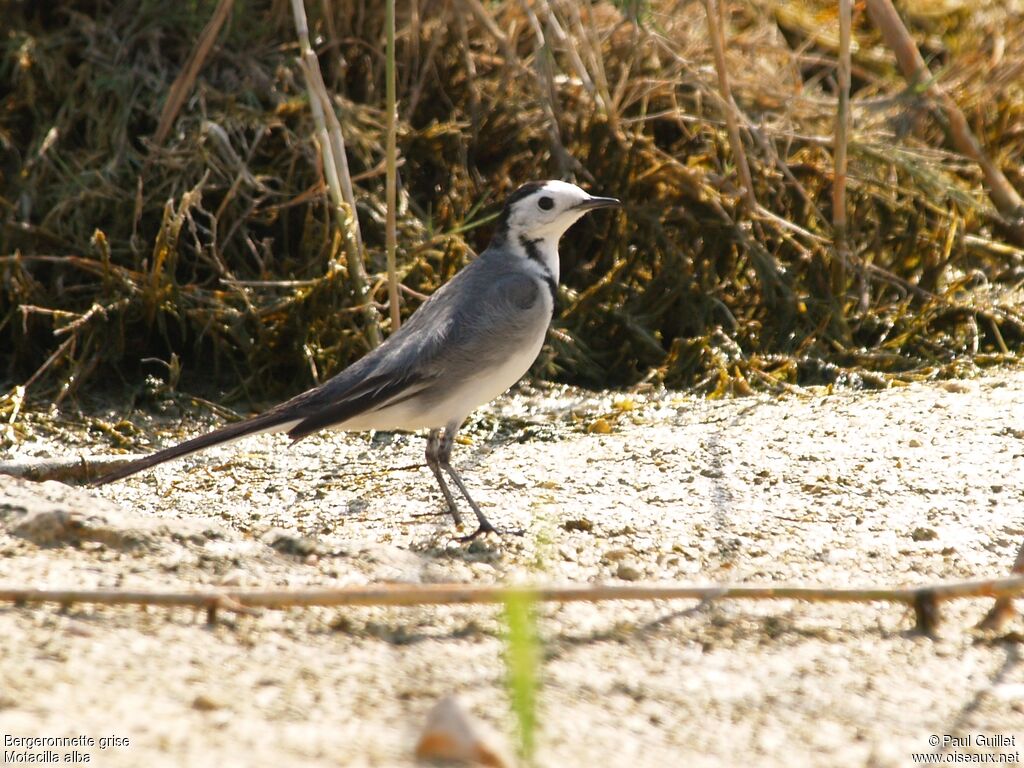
x=544 y=210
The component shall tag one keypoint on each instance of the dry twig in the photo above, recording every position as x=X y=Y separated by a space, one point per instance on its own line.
x=182 y=85
x=925 y=600
x=391 y=183
x=730 y=108
x=916 y=71
x=1003 y=609
x=841 y=143
x=339 y=181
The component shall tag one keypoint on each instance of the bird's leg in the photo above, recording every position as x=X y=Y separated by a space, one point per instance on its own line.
x=444 y=456
x=433 y=451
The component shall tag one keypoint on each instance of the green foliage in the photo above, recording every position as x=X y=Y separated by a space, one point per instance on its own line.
x=522 y=668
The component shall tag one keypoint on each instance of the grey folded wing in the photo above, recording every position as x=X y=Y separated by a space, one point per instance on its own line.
x=452 y=336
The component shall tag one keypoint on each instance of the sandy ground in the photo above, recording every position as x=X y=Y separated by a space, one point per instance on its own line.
x=900 y=487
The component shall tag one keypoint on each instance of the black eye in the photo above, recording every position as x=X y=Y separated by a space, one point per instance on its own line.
x=546 y=203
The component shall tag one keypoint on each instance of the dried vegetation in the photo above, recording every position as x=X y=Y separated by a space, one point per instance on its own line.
x=216 y=249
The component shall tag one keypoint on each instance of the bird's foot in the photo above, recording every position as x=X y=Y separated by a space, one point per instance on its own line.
x=456 y=516
x=482 y=530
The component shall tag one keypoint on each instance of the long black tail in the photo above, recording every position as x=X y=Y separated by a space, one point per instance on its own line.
x=225 y=434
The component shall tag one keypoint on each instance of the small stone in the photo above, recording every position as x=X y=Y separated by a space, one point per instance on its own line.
x=924 y=534
x=628 y=571
x=581 y=524
x=204 y=702
x=452 y=735
x=690 y=553
x=290 y=543
x=614 y=555
x=515 y=479
x=599 y=427
x=51 y=514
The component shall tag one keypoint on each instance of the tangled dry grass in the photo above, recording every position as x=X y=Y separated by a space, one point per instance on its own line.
x=215 y=250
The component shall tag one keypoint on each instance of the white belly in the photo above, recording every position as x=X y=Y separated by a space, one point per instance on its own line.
x=463 y=397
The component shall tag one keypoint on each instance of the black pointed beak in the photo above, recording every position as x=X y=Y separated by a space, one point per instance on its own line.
x=592 y=203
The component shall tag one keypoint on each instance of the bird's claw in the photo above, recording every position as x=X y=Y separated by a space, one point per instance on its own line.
x=482 y=530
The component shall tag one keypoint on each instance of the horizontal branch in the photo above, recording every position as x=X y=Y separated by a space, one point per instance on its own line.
x=924 y=599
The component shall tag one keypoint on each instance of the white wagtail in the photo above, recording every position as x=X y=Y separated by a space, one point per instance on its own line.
x=465 y=345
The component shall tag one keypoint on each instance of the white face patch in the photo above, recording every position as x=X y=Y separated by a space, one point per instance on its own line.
x=547 y=212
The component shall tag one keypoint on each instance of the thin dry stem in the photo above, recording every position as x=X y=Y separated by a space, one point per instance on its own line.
x=730 y=108
x=555 y=30
x=589 y=41
x=448 y=594
x=485 y=20
x=840 y=150
x=339 y=181
x=916 y=71
x=391 y=182
x=182 y=85
x=546 y=89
